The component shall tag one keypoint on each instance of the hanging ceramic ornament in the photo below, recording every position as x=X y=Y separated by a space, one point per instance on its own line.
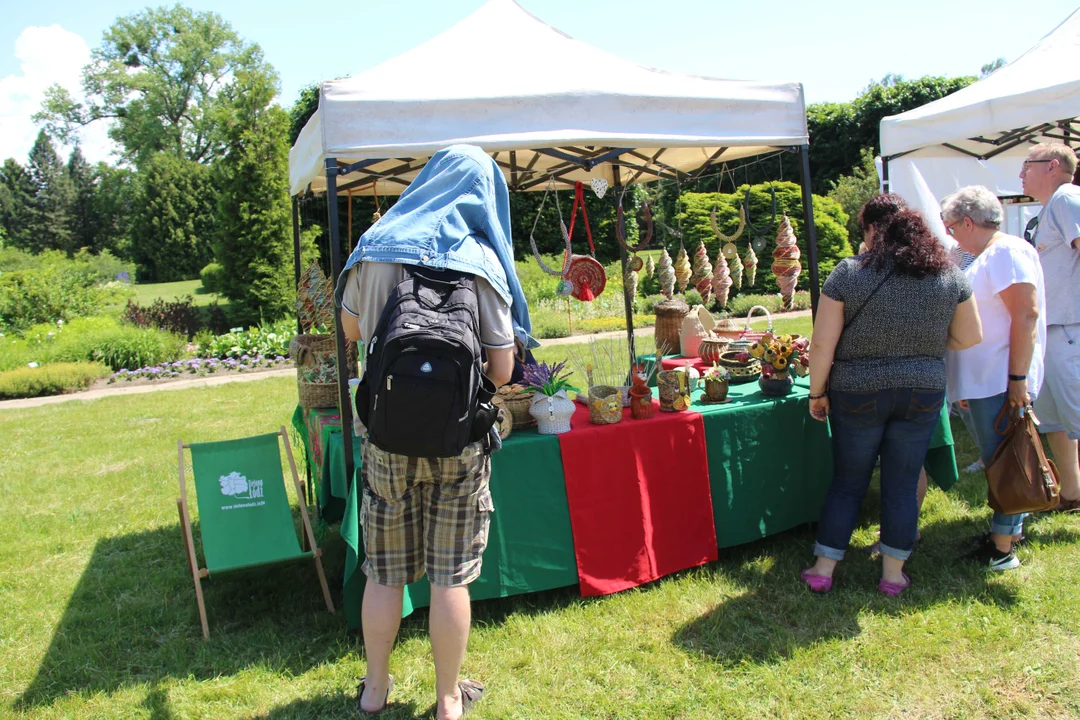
x=750 y=262
x=721 y=281
x=786 y=266
x=650 y=267
x=759 y=244
x=666 y=274
x=630 y=280
x=683 y=270
x=599 y=186
x=736 y=272
x=703 y=270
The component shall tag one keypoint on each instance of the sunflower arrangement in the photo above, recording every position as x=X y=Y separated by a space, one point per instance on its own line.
x=781 y=354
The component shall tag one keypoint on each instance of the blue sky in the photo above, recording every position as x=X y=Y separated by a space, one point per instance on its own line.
x=833 y=48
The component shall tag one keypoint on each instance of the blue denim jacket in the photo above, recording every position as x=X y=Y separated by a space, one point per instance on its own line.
x=455 y=215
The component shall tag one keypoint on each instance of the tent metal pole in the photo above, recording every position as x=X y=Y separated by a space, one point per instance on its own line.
x=342 y=355
x=296 y=252
x=811 y=231
x=628 y=302
x=885 y=174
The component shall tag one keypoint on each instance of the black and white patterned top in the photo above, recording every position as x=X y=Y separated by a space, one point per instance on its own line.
x=898 y=340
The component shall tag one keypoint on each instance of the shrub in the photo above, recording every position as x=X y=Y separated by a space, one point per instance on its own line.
x=740 y=305
x=213 y=278
x=49 y=379
x=176 y=316
x=692 y=297
x=134 y=347
x=269 y=339
x=52 y=342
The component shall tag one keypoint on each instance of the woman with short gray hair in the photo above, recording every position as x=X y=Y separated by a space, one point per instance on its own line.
x=1005 y=369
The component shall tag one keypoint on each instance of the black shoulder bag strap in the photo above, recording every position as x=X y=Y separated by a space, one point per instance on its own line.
x=869 y=297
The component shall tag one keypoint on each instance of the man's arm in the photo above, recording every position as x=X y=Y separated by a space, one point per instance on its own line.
x=499 y=365
x=351 y=326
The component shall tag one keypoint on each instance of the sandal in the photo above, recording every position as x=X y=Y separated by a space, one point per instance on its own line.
x=816 y=583
x=360 y=694
x=1066 y=506
x=893 y=589
x=472 y=692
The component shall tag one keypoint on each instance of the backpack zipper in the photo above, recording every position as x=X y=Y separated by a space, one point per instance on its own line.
x=388 y=379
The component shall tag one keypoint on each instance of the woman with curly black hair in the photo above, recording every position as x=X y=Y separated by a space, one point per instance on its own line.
x=877 y=373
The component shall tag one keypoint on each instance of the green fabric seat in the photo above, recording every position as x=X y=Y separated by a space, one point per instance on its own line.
x=244 y=514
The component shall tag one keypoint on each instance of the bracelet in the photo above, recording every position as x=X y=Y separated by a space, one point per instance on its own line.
x=816 y=397
x=1017 y=377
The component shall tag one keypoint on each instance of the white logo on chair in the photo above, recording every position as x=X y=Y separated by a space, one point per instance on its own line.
x=426 y=367
x=236 y=485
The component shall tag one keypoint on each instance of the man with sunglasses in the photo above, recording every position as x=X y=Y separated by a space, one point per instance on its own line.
x=1047 y=176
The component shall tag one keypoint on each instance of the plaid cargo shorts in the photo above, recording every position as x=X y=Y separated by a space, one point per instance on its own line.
x=425 y=514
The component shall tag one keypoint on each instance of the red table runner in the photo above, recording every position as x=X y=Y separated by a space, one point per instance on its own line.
x=638 y=492
x=678 y=362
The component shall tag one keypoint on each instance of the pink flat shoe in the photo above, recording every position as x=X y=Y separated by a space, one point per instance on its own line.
x=816 y=583
x=893 y=589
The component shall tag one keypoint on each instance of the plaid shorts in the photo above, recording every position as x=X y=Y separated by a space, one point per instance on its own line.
x=425 y=514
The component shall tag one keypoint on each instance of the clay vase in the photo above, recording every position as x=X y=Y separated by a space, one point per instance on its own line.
x=641 y=407
x=716 y=389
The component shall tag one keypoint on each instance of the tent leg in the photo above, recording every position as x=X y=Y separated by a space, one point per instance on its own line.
x=628 y=302
x=336 y=265
x=296 y=252
x=809 y=229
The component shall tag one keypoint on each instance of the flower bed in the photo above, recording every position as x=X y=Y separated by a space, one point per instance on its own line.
x=199 y=367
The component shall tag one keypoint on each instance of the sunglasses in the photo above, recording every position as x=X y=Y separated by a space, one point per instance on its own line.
x=1026 y=163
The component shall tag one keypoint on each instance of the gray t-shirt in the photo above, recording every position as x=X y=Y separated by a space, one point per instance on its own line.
x=898 y=340
x=1059 y=225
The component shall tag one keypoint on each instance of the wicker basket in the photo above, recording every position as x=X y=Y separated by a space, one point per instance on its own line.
x=305 y=349
x=669 y=318
x=317 y=395
x=517 y=404
x=727 y=328
x=605 y=405
x=552 y=413
x=747 y=333
x=740 y=371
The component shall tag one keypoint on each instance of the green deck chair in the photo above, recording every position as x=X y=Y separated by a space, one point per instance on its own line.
x=244 y=510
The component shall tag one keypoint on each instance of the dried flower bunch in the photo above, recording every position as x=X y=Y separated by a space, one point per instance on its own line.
x=547 y=379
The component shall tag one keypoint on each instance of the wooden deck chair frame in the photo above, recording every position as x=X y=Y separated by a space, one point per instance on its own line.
x=197 y=573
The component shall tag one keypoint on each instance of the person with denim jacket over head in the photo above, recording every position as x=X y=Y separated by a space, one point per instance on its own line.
x=431 y=515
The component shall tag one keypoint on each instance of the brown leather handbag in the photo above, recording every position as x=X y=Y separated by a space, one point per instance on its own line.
x=1019 y=477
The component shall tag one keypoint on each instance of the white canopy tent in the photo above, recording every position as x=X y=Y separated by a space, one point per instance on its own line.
x=980 y=135
x=545 y=106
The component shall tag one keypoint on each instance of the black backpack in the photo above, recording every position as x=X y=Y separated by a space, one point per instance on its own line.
x=424 y=393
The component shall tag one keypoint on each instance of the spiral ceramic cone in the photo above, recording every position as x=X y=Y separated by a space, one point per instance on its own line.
x=666 y=274
x=703 y=270
x=630 y=280
x=736 y=271
x=786 y=266
x=750 y=262
x=650 y=267
x=721 y=281
x=682 y=269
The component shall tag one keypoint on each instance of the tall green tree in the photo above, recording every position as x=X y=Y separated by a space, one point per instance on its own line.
x=173 y=230
x=113 y=208
x=49 y=218
x=16 y=201
x=85 y=223
x=254 y=222
x=852 y=191
x=161 y=76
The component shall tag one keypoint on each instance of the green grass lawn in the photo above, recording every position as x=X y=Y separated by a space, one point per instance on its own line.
x=149 y=292
x=99 y=616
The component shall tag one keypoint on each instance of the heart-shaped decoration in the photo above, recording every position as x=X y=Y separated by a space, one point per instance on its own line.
x=599 y=186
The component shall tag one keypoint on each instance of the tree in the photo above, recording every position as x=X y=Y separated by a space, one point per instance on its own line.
x=989 y=68
x=254 y=221
x=302 y=110
x=49 y=226
x=162 y=76
x=172 y=233
x=852 y=191
x=112 y=208
x=16 y=200
x=84 y=223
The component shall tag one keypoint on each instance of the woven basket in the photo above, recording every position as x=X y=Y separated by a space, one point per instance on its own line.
x=741 y=371
x=305 y=349
x=605 y=407
x=669 y=318
x=552 y=413
x=727 y=328
x=317 y=395
x=517 y=404
x=747 y=333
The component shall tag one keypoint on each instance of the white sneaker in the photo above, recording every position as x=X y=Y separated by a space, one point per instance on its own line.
x=977 y=466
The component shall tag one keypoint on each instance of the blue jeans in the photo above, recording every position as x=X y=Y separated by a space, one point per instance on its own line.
x=983 y=413
x=896 y=424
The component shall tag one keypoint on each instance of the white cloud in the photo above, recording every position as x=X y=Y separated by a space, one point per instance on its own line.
x=47 y=55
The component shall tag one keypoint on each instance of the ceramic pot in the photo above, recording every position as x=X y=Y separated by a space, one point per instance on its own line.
x=674 y=390
x=716 y=389
x=552 y=413
x=641 y=407
x=778 y=385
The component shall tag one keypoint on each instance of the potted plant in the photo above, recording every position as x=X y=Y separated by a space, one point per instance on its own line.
x=780 y=355
x=550 y=406
x=716 y=383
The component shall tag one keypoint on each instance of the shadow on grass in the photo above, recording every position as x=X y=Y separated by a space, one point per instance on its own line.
x=132 y=619
x=342 y=705
x=774 y=614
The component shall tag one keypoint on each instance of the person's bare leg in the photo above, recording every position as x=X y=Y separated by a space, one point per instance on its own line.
x=892 y=569
x=1065 y=457
x=381 y=617
x=449 y=622
x=823 y=567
